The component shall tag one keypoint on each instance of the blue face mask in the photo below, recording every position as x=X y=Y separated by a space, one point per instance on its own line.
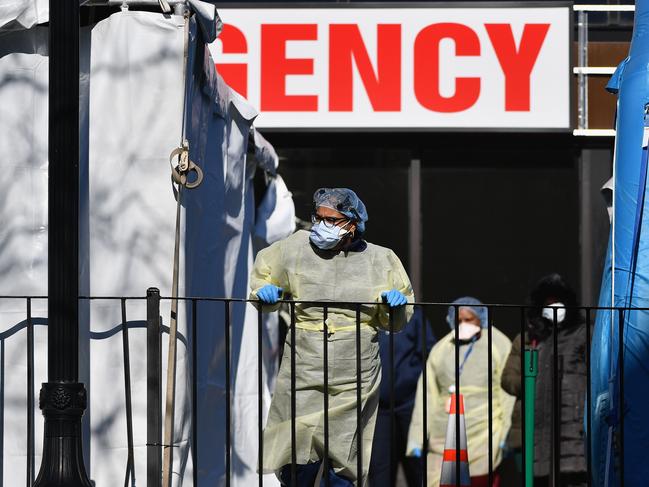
x=326 y=238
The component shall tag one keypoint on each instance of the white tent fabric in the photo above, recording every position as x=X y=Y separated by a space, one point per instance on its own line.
x=23 y=235
x=132 y=121
x=607 y=191
x=265 y=153
x=136 y=106
x=276 y=211
x=23 y=13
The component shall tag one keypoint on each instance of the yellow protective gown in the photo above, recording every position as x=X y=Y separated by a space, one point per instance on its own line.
x=440 y=375
x=310 y=274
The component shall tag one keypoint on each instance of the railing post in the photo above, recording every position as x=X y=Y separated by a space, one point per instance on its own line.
x=531 y=357
x=154 y=388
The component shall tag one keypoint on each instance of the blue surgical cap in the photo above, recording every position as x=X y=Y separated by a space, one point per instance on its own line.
x=472 y=304
x=344 y=201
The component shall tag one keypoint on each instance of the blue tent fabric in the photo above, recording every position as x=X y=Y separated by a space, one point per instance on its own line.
x=625 y=283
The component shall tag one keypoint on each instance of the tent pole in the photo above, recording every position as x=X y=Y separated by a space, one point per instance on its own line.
x=63 y=398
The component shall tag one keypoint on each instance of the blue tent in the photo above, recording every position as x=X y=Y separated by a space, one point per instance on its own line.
x=620 y=368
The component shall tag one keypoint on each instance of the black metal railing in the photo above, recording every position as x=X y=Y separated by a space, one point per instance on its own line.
x=154 y=342
x=6 y=334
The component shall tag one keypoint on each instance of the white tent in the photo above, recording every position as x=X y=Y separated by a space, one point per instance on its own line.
x=134 y=113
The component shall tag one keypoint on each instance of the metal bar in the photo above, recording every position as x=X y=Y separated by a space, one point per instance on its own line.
x=603 y=70
x=582 y=78
x=314 y=302
x=62 y=460
x=130 y=464
x=325 y=358
x=414 y=226
x=293 y=402
x=135 y=3
x=589 y=460
x=490 y=320
x=594 y=132
x=604 y=8
x=154 y=388
x=30 y=395
x=195 y=392
x=556 y=418
x=457 y=397
x=359 y=415
x=260 y=396
x=424 y=354
x=393 y=435
x=63 y=194
x=228 y=399
x=621 y=382
x=522 y=379
x=586 y=230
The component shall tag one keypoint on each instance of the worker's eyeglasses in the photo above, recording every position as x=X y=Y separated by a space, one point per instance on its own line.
x=329 y=221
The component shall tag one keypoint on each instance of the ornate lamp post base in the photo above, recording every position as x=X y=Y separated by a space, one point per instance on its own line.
x=62 y=404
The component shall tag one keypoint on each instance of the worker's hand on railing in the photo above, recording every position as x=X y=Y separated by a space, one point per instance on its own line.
x=270 y=294
x=393 y=298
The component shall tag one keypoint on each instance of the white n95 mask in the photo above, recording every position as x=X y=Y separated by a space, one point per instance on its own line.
x=548 y=312
x=468 y=330
x=326 y=238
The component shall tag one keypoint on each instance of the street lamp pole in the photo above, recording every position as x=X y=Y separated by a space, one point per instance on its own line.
x=63 y=398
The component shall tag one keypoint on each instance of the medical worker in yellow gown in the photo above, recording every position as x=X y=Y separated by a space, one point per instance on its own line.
x=474 y=387
x=332 y=263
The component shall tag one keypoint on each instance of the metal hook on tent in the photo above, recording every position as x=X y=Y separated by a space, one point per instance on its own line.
x=164 y=6
x=179 y=173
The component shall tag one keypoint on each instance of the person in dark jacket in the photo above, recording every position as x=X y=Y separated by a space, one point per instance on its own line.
x=553 y=309
x=408 y=362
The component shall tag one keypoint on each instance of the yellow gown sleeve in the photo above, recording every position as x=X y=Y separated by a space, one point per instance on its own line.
x=269 y=269
x=399 y=280
x=415 y=432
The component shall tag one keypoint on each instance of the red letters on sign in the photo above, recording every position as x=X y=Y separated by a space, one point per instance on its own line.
x=275 y=67
x=517 y=65
x=467 y=90
x=381 y=76
x=234 y=74
x=383 y=87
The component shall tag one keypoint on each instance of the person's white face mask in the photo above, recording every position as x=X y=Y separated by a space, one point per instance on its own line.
x=548 y=312
x=325 y=237
x=468 y=330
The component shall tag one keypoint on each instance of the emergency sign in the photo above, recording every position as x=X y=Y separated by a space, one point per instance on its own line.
x=400 y=68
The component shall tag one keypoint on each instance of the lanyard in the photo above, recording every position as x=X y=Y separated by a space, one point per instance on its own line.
x=468 y=352
x=451 y=389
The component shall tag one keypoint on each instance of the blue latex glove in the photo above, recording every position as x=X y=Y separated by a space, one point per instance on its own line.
x=416 y=452
x=269 y=294
x=393 y=298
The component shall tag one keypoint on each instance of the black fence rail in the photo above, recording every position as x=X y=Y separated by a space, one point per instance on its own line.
x=154 y=375
x=588 y=314
x=7 y=334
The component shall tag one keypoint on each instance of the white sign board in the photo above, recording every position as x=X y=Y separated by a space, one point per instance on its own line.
x=417 y=67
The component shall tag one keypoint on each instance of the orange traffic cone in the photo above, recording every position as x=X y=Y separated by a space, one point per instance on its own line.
x=448 y=477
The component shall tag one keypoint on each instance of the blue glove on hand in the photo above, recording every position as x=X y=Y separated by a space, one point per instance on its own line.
x=393 y=298
x=416 y=452
x=269 y=294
